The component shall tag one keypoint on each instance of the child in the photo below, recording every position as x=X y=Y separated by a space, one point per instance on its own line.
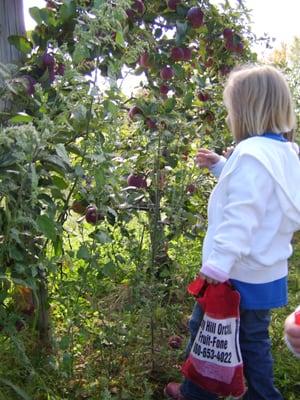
x=252 y=215
x=292 y=333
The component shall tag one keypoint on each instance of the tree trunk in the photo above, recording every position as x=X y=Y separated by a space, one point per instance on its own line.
x=11 y=23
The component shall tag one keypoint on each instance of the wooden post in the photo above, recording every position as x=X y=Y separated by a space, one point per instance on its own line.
x=11 y=23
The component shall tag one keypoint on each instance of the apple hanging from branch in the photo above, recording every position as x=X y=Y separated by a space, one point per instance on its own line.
x=195 y=17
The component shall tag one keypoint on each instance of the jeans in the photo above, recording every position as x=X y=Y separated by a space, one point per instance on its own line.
x=255 y=347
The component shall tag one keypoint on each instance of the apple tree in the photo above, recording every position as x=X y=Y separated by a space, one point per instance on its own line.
x=75 y=145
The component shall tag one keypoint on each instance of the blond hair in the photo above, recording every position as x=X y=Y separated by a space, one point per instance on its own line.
x=258 y=100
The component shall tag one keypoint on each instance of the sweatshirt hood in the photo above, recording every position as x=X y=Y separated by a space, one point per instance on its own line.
x=282 y=162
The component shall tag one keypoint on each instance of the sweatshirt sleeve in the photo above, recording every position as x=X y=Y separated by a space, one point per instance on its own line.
x=249 y=187
x=217 y=168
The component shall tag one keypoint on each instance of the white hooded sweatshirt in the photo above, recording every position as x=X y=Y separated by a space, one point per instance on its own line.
x=253 y=212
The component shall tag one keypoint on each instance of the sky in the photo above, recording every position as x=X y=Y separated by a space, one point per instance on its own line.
x=278 y=18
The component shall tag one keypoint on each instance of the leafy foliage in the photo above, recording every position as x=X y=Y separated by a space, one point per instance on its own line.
x=102 y=211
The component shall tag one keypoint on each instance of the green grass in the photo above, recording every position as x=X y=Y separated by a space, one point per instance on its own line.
x=110 y=341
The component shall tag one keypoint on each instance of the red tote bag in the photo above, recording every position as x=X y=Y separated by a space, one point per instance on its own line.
x=215 y=362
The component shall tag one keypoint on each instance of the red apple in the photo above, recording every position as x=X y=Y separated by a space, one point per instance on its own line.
x=144 y=60
x=229 y=44
x=166 y=73
x=60 y=69
x=79 y=206
x=239 y=47
x=187 y=53
x=209 y=62
x=92 y=215
x=134 y=111
x=138 y=8
x=203 y=96
x=164 y=89
x=137 y=180
x=175 y=341
x=224 y=70
x=191 y=188
x=227 y=33
x=51 y=4
x=195 y=17
x=172 y=4
x=177 y=54
x=30 y=82
x=151 y=124
x=48 y=60
x=209 y=116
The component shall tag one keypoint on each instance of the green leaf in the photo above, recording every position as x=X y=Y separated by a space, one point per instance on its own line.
x=59 y=182
x=79 y=171
x=55 y=163
x=34 y=178
x=7 y=160
x=110 y=269
x=15 y=254
x=46 y=226
x=67 y=10
x=62 y=153
x=99 y=178
x=64 y=342
x=101 y=237
x=188 y=99
x=99 y=3
x=21 y=118
x=120 y=39
x=20 y=392
x=169 y=104
x=36 y=15
x=81 y=52
x=180 y=32
x=21 y=43
x=83 y=252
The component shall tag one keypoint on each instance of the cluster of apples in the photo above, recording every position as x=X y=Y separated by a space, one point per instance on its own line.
x=233 y=41
x=49 y=64
x=195 y=17
x=135 y=111
x=90 y=213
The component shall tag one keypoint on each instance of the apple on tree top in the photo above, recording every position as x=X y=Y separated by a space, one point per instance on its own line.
x=166 y=73
x=187 y=53
x=203 y=96
x=137 y=8
x=134 y=110
x=92 y=215
x=227 y=33
x=137 y=180
x=195 y=17
x=172 y=4
x=177 y=54
x=144 y=60
x=30 y=82
x=164 y=89
x=48 y=60
x=151 y=124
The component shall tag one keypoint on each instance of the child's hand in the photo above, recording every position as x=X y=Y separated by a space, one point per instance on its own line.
x=292 y=333
x=228 y=151
x=206 y=158
x=208 y=279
